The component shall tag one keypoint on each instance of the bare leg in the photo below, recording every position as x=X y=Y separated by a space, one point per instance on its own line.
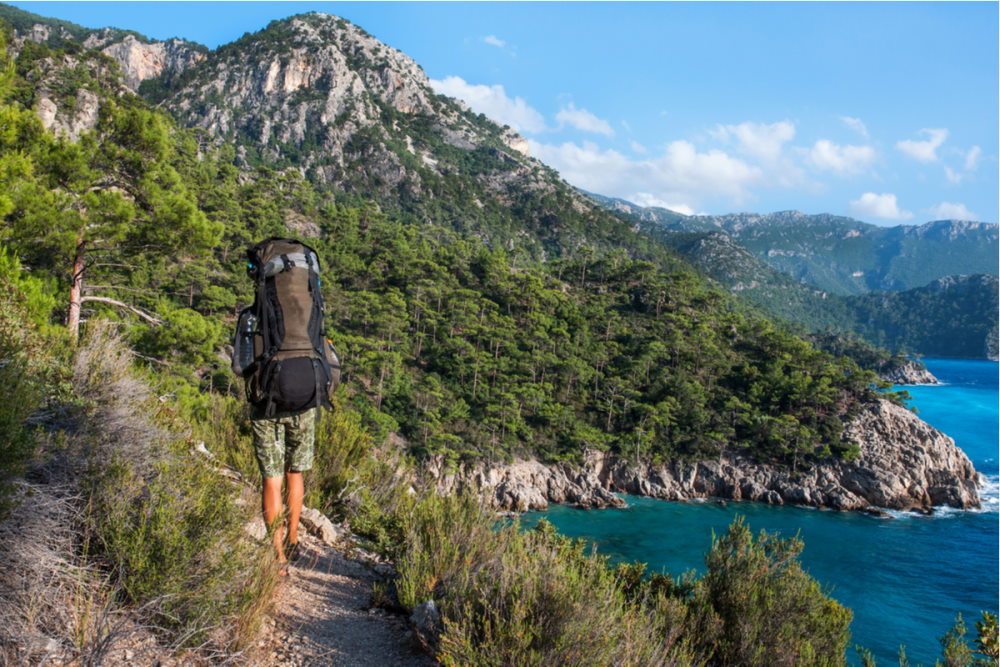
x=295 y=490
x=272 y=511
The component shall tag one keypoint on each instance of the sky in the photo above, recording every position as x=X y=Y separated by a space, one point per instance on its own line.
x=885 y=112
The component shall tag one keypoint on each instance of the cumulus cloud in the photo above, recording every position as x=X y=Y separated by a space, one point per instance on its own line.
x=647 y=199
x=828 y=156
x=637 y=147
x=952 y=175
x=972 y=158
x=493 y=102
x=871 y=205
x=949 y=211
x=757 y=139
x=582 y=119
x=855 y=124
x=493 y=40
x=926 y=150
x=678 y=177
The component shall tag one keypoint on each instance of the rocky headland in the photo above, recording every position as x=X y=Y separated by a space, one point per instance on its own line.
x=905 y=464
x=912 y=372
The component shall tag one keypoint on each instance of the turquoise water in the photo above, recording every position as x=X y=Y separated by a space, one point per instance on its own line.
x=904 y=577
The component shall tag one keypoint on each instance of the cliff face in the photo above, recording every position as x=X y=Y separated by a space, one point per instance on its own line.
x=905 y=464
x=141 y=60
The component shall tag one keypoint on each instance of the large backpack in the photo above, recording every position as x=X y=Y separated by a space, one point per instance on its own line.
x=280 y=346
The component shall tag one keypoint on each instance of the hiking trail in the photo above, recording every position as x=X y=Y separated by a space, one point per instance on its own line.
x=323 y=615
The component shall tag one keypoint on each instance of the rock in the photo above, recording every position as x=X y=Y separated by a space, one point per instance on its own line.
x=144 y=60
x=912 y=372
x=317 y=524
x=425 y=619
x=256 y=529
x=904 y=464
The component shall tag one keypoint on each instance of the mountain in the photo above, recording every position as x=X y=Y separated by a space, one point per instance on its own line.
x=359 y=119
x=842 y=255
x=951 y=316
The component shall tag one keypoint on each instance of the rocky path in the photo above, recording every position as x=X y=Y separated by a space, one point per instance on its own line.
x=323 y=616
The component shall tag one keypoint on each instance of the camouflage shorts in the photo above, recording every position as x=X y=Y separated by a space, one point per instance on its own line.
x=284 y=443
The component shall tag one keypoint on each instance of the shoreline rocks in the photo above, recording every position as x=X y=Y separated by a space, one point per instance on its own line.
x=905 y=464
x=912 y=372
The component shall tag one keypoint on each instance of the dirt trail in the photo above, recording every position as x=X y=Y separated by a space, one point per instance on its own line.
x=323 y=616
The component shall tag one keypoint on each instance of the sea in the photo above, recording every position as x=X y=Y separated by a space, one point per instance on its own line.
x=905 y=576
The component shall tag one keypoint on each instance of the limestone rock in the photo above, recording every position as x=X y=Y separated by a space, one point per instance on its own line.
x=426 y=619
x=910 y=373
x=316 y=523
x=904 y=464
x=141 y=60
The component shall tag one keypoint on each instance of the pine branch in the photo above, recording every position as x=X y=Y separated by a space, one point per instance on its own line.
x=144 y=315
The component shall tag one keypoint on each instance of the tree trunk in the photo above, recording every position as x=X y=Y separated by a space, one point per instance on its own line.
x=76 y=290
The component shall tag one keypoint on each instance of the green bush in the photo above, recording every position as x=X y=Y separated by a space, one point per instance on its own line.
x=537 y=598
x=756 y=606
x=175 y=538
x=525 y=598
x=24 y=368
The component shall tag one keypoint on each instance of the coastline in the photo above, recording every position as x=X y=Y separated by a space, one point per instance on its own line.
x=905 y=464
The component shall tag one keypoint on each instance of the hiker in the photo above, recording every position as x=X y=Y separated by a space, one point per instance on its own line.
x=291 y=370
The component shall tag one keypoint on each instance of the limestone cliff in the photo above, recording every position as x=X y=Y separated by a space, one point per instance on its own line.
x=905 y=464
x=140 y=60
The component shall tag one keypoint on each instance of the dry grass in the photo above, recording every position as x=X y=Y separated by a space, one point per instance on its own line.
x=121 y=540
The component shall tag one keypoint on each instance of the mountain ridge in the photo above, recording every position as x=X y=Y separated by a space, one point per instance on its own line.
x=837 y=253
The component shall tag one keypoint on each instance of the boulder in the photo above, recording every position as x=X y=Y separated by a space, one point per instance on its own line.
x=318 y=525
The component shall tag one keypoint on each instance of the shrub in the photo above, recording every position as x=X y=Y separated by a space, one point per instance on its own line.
x=756 y=606
x=166 y=524
x=24 y=370
x=523 y=598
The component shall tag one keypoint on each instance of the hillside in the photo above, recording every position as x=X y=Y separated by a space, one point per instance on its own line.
x=456 y=349
x=952 y=316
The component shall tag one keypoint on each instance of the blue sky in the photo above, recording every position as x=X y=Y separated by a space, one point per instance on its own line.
x=887 y=112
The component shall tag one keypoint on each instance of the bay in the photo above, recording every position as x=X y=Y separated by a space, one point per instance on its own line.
x=905 y=577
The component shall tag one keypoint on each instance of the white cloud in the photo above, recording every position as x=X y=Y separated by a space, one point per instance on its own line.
x=493 y=102
x=678 y=176
x=637 y=147
x=952 y=175
x=948 y=211
x=855 y=124
x=647 y=199
x=493 y=40
x=972 y=158
x=924 y=151
x=582 y=119
x=828 y=156
x=757 y=139
x=871 y=205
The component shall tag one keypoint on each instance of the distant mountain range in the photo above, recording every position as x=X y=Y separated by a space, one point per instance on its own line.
x=843 y=255
x=947 y=315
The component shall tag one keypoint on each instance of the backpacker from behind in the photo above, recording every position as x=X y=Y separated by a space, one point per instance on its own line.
x=280 y=346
